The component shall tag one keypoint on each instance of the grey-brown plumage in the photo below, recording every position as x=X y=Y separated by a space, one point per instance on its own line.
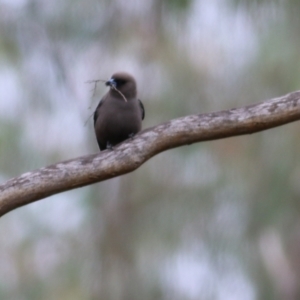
x=118 y=115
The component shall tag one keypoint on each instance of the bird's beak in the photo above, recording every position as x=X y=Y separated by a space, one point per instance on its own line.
x=111 y=82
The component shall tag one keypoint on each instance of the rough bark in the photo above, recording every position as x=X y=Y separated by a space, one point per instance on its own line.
x=131 y=154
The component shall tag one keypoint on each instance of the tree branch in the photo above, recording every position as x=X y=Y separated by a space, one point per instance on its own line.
x=131 y=154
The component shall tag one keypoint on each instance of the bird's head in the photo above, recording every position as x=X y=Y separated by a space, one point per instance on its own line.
x=124 y=83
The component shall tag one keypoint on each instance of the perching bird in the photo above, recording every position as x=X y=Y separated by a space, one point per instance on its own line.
x=119 y=113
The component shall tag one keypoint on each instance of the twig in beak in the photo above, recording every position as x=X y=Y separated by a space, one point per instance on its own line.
x=88 y=119
x=94 y=92
x=95 y=84
x=119 y=93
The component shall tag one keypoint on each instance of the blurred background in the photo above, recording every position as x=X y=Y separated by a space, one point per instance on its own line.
x=214 y=220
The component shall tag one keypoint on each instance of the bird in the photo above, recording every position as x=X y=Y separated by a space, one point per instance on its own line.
x=119 y=113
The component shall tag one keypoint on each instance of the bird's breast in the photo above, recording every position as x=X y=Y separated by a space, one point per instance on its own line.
x=118 y=119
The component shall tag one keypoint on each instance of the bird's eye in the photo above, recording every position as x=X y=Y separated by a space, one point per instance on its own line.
x=120 y=82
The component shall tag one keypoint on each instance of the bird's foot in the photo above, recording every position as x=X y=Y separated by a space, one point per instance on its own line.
x=131 y=135
x=109 y=146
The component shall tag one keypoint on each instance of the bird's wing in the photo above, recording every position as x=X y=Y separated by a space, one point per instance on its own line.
x=142 y=109
x=96 y=113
